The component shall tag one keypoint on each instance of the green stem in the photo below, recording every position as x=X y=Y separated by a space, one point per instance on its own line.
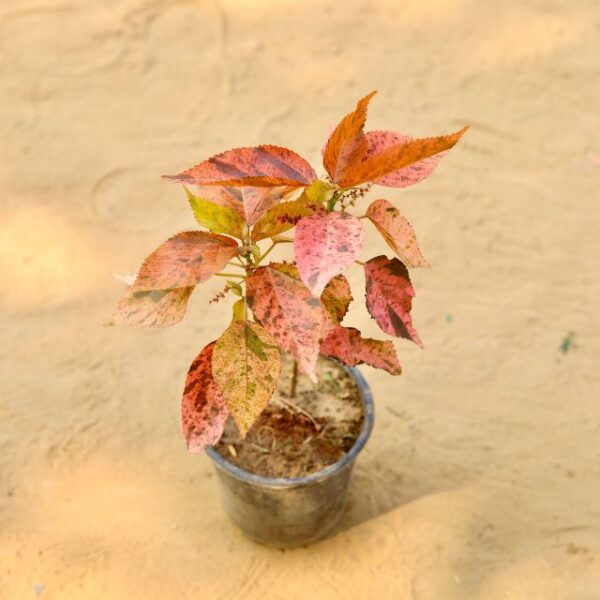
x=230 y=275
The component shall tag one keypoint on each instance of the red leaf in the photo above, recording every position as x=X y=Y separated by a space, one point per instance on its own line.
x=389 y=297
x=184 y=260
x=325 y=246
x=397 y=232
x=336 y=298
x=152 y=308
x=346 y=344
x=397 y=156
x=289 y=312
x=347 y=144
x=261 y=166
x=203 y=410
x=378 y=141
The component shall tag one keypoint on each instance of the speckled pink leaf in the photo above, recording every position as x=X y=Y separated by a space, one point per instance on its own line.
x=335 y=299
x=203 y=410
x=246 y=365
x=261 y=166
x=152 y=308
x=325 y=246
x=184 y=260
x=289 y=312
x=389 y=297
x=397 y=232
x=346 y=344
x=347 y=144
x=378 y=141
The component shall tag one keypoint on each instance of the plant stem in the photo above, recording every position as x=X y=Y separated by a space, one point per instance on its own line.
x=294 y=379
x=267 y=251
x=360 y=262
x=230 y=275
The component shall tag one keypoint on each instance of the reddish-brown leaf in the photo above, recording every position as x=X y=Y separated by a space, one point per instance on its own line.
x=397 y=156
x=378 y=141
x=346 y=344
x=347 y=144
x=203 y=410
x=289 y=312
x=261 y=166
x=246 y=365
x=152 y=308
x=227 y=196
x=389 y=297
x=336 y=298
x=325 y=246
x=184 y=260
x=397 y=232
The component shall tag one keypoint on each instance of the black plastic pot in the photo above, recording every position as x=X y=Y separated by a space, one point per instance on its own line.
x=285 y=512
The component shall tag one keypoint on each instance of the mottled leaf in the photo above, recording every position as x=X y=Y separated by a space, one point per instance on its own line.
x=227 y=196
x=346 y=145
x=325 y=246
x=261 y=166
x=378 y=141
x=397 y=232
x=336 y=298
x=246 y=366
x=389 y=297
x=347 y=344
x=397 y=156
x=184 y=260
x=289 y=312
x=257 y=201
x=282 y=217
x=203 y=409
x=152 y=308
x=217 y=218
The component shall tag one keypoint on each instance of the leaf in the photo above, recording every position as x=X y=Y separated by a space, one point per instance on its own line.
x=347 y=145
x=336 y=298
x=325 y=246
x=389 y=297
x=152 y=308
x=282 y=217
x=257 y=201
x=397 y=232
x=347 y=344
x=186 y=259
x=239 y=309
x=396 y=157
x=227 y=196
x=261 y=166
x=203 y=410
x=319 y=191
x=289 y=312
x=219 y=219
x=378 y=141
x=246 y=366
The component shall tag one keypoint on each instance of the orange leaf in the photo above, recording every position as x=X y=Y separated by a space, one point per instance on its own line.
x=398 y=156
x=347 y=144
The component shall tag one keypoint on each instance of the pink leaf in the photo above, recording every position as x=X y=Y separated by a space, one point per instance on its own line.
x=346 y=344
x=378 y=141
x=152 y=308
x=389 y=297
x=203 y=410
x=288 y=311
x=261 y=166
x=184 y=260
x=397 y=232
x=326 y=245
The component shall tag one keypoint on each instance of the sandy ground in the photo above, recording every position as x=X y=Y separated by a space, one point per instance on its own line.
x=482 y=479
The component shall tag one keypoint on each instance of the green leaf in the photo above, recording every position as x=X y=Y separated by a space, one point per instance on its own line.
x=239 y=310
x=220 y=219
x=319 y=191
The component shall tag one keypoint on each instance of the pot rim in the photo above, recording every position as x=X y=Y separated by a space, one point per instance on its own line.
x=348 y=458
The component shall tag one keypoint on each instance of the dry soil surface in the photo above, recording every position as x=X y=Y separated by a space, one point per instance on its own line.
x=482 y=479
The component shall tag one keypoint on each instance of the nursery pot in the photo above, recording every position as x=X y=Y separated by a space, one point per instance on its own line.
x=293 y=511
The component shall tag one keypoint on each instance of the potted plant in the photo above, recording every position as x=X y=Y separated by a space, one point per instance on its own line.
x=276 y=401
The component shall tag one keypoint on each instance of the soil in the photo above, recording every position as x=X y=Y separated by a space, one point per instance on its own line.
x=297 y=436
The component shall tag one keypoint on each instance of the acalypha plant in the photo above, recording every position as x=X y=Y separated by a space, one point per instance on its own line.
x=246 y=196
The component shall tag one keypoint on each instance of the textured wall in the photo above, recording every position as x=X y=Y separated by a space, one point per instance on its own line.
x=482 y=478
